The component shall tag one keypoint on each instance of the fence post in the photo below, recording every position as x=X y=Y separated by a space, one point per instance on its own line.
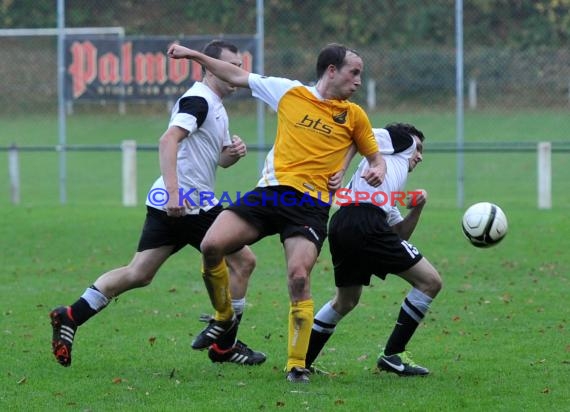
x=472 y=93
x=129 y=149
x=544 y=150
x=371 y=94
x=14 y=173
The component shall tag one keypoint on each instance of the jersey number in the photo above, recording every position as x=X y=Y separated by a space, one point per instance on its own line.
x=411 y=249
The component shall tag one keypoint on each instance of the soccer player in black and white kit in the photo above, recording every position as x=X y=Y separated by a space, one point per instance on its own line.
x=196 y=142
x=368 y=239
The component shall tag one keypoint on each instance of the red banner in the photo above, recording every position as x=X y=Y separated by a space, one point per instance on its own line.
x=134 y=68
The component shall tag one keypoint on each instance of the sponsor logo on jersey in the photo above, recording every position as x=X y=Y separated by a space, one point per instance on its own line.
x=316 y=124
x=340 y=118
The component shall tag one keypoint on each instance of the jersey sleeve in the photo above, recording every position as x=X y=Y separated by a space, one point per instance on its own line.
x=401 y=142
x=227 y=140
x=270 y=89
x=363 y=135
x=192 y=111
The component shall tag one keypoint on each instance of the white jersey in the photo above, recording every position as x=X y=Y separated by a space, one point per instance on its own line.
x=397 y=152
x=201 y=112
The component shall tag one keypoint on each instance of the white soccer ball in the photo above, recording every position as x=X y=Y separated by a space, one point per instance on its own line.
x=484 y=224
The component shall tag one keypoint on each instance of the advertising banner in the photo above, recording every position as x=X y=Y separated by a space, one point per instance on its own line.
x=135 y=68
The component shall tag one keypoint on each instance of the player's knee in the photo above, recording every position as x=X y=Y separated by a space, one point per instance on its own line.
x=434 y=283
x=210 y=250
x=298 y=286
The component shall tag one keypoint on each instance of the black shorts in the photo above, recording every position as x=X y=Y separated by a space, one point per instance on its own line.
x=162 y=230
x=284 y=210
x=362 y=244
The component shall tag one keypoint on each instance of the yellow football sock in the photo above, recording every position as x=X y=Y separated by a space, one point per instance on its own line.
x=300 y=325
x=217 y=281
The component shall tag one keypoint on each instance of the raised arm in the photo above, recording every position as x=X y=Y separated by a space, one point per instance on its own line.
x=228 y=72
x=416 y=202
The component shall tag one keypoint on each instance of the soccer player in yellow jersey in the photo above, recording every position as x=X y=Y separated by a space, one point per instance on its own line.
x=316 y=127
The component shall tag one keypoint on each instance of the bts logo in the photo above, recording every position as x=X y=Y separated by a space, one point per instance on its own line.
x=318 y=125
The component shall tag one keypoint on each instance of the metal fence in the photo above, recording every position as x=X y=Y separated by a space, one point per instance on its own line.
x=417 y=74
x=402 y=78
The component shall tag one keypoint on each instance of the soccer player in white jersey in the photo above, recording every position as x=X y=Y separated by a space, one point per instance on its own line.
x=368 y=236
x=195 y=143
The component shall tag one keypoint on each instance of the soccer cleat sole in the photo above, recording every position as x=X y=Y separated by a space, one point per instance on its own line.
x=62 y=338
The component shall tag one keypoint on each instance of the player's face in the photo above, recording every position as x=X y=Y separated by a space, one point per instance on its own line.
x=417 y=157
x=234 y=58
x=348 y=79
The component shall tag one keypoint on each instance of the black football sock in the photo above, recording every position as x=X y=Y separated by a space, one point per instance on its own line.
x=88 y=305
x=317 y=342
x=413 y=310
x=324 y=325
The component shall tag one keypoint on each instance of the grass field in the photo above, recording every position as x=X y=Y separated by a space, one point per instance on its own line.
x=497 y=337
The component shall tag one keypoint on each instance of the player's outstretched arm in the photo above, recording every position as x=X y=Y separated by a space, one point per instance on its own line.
x=417 y=199
x=226 y=71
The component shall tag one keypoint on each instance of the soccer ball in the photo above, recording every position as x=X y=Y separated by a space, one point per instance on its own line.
x=484 y=224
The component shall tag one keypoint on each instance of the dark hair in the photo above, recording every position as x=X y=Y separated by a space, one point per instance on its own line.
x=214 y=49
x=404 y=129
x=334 y=54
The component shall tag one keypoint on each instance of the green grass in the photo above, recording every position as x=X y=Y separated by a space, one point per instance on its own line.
x=146 y=128
x=495 y=339
x=95 y=177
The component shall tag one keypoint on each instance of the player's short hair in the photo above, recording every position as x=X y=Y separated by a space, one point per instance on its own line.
x=332 y=53
x=214 y=49
x=405 y=129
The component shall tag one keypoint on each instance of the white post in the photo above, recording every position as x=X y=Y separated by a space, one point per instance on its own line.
x=472 y=93
x=129 y=148
x=371 y=94
x=14 y=173
x=544 y=175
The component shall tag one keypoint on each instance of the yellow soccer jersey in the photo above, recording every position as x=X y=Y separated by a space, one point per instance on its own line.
x=313 y=135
